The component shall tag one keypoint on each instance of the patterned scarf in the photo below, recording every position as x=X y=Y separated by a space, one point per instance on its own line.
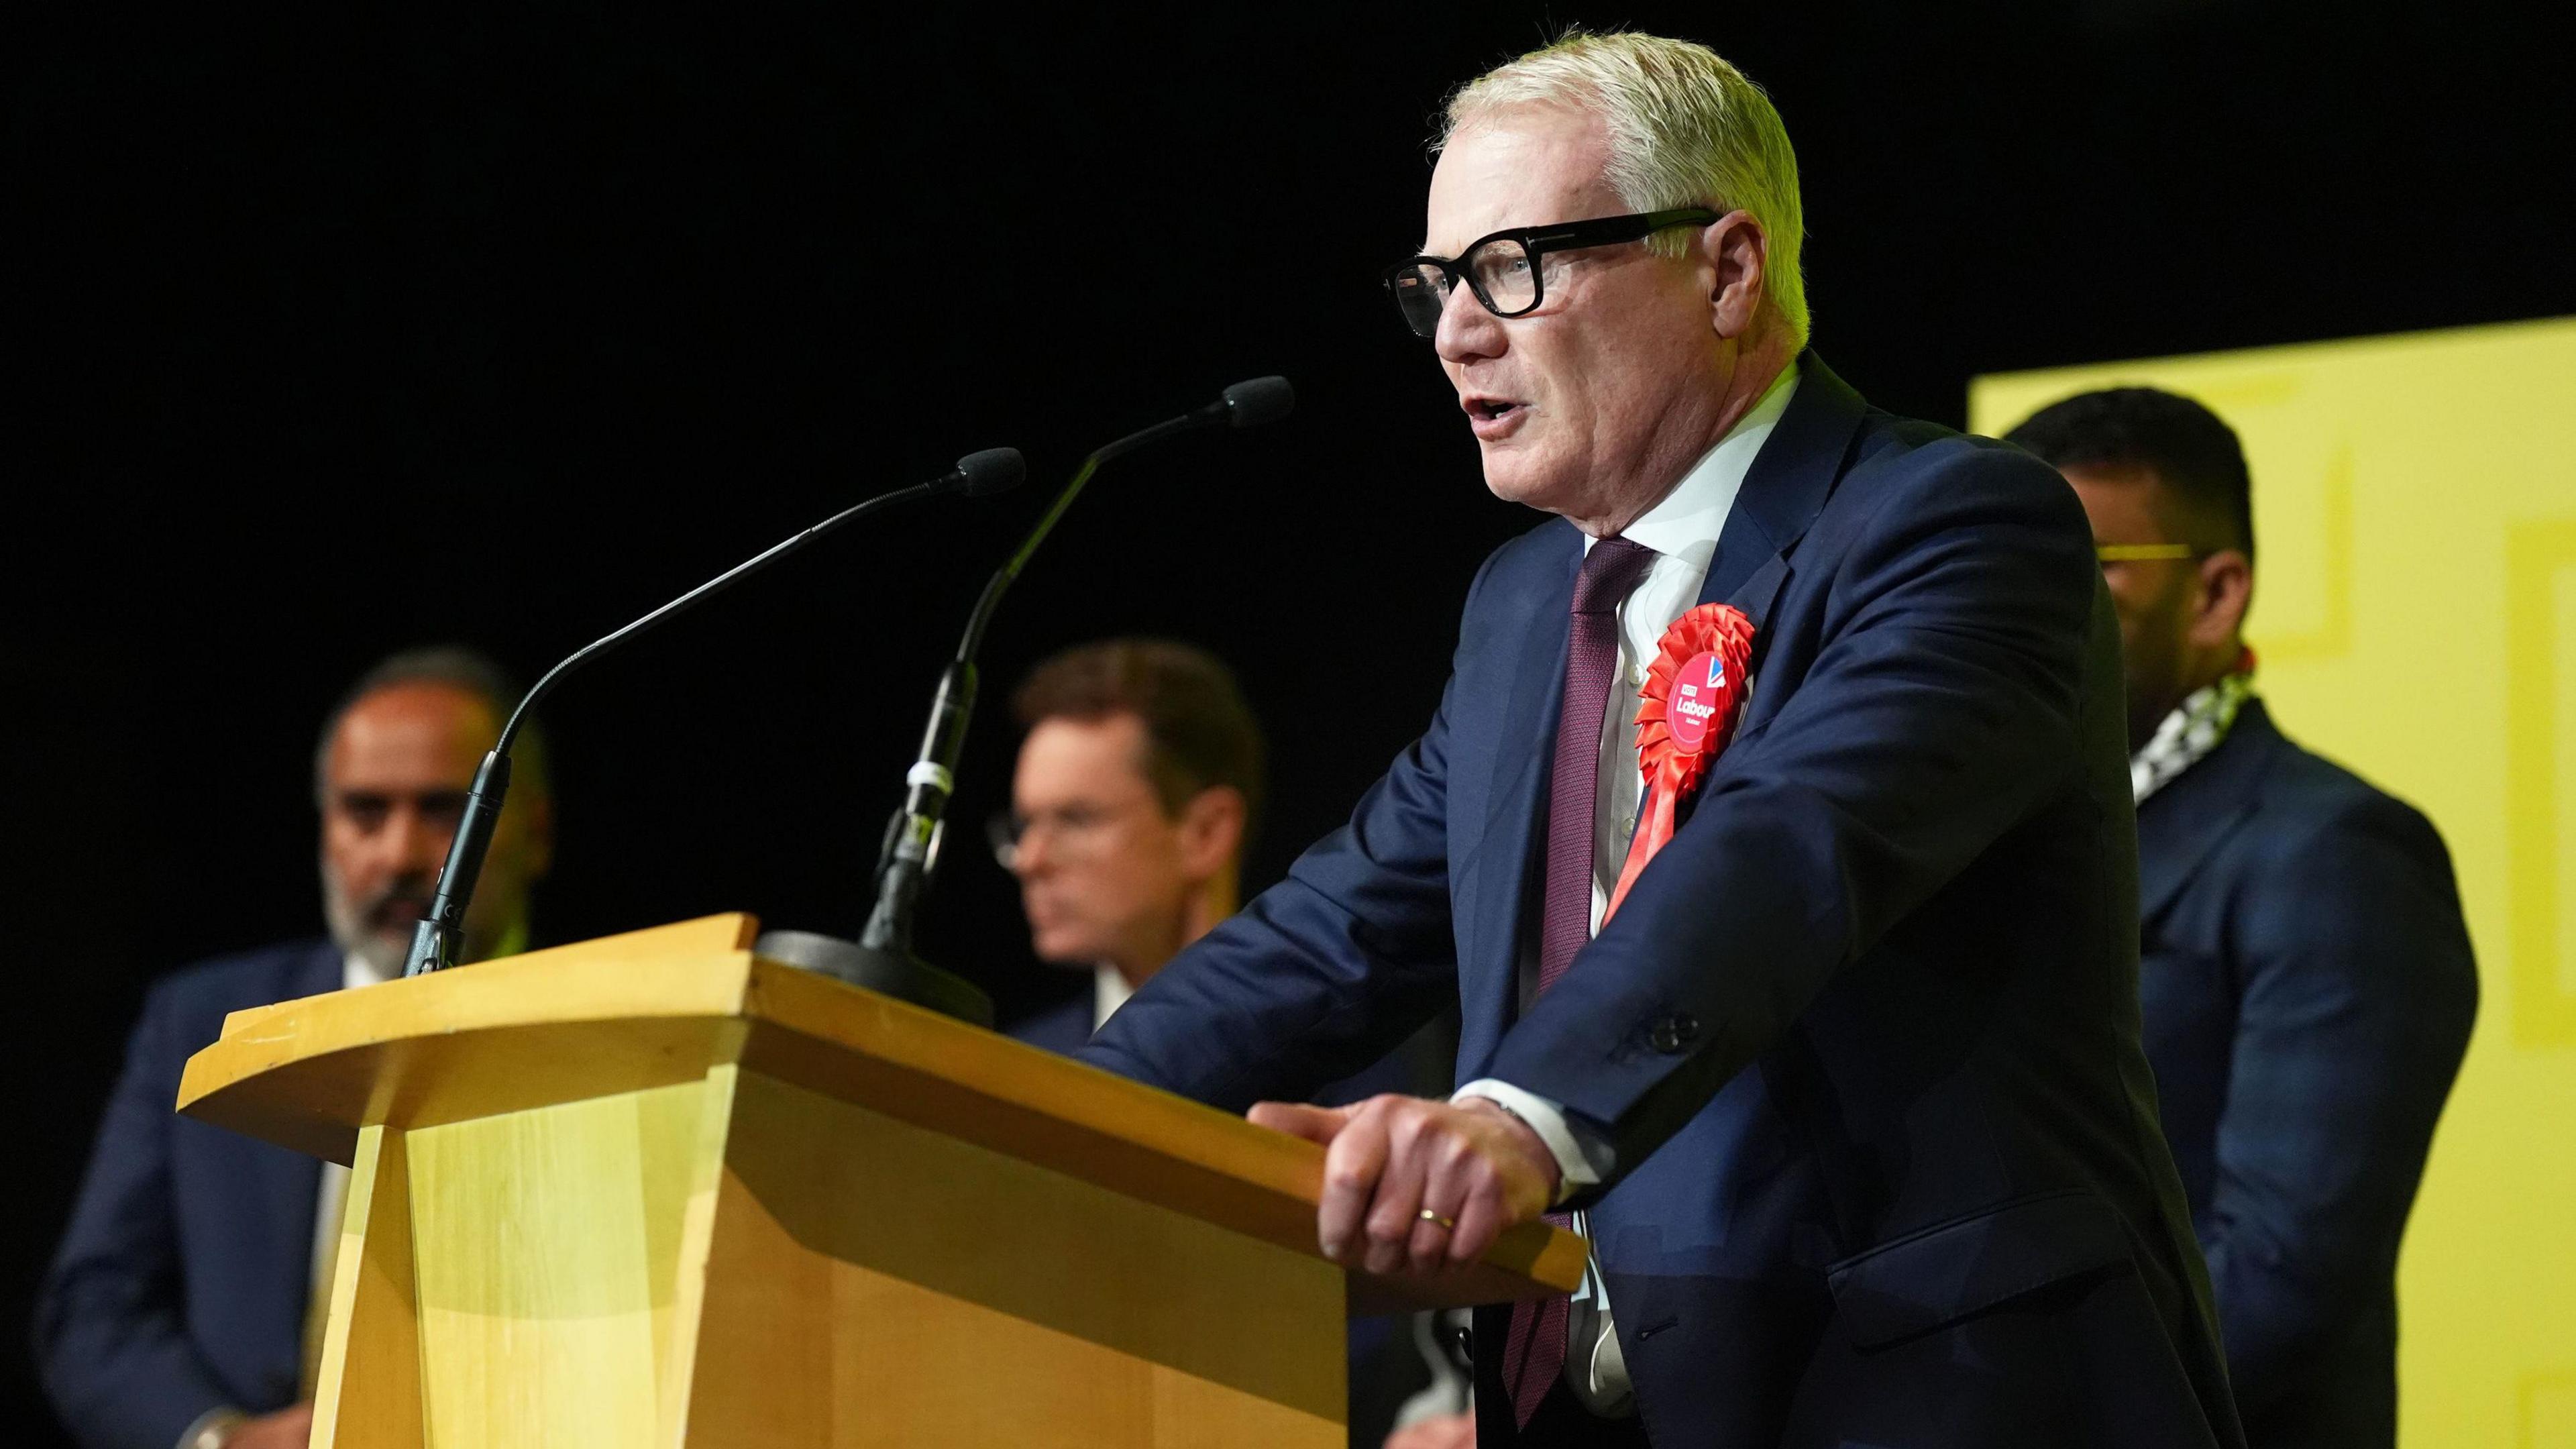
x=2195 y=728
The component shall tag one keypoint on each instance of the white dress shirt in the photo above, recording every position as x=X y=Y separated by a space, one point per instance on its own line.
x=1682 y=530
x=1109 y=991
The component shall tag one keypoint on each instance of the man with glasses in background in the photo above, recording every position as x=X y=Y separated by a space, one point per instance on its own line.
x=1138 y=787
x=1847 y=1091
x=2307 y=979
x=1134 y=796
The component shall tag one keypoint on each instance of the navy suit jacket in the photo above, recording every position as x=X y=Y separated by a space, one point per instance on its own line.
x=1066 y=1029
x=2309 y=988
x=1864 y=1038
x=182 y=1280
x=1063 y=1029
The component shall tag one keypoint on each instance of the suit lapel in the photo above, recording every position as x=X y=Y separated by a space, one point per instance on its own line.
x=1754 y=597
x=1783 y=491
x=2182 y=823
x=1527 y=741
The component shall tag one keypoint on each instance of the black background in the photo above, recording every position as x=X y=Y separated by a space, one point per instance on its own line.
x=372 y=328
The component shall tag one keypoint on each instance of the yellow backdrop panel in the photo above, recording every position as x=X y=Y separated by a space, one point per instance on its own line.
x=2415 y=506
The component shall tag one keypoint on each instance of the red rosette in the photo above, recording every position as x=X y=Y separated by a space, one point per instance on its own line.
x=1694 y=696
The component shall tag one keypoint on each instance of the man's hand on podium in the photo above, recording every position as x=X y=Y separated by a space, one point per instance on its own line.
x=1448 y=1431
x=1414 y=1184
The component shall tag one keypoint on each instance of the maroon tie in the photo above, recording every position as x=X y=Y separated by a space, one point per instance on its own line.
x=1534 y=1351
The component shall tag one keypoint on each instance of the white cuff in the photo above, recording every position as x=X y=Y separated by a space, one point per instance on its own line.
x=1547 y=1119
x=213 y=1428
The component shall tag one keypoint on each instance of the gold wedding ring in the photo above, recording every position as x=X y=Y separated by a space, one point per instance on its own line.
x=1446 y=1224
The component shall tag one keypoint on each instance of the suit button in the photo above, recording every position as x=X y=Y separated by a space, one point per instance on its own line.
x=1673 y=1033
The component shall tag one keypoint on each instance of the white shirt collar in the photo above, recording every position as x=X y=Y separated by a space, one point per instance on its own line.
x=1109 y=991
x=1686 y=523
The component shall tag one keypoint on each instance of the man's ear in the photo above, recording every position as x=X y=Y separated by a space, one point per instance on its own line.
x=2226 y=592
x=1211 y=831
x=1736 y=256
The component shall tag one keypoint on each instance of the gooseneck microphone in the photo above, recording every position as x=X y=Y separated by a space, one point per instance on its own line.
x=437 y=940
x=882 y=957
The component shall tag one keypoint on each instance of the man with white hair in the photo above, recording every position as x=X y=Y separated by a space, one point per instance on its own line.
x=1829 y=1035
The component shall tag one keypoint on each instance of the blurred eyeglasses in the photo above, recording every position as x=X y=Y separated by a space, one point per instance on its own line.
x=1503 y=269
x=1075 y=831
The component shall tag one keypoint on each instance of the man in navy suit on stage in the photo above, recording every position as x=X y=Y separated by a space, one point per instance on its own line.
x=1134 y=795
x=180 y=1311
x=1848 y=1093
x=2307 y=979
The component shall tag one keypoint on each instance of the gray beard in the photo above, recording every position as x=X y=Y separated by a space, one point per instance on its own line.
x=349 y=930
x=383 y=957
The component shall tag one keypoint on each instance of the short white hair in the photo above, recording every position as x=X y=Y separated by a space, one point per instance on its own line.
x=1685 y=129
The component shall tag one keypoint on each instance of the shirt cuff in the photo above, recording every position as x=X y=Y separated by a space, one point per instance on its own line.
x=212 y=1428
x=1575 y=1168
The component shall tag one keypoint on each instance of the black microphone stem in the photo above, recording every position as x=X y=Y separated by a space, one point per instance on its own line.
x=1009 y=572
x=439 y=939
x=910 y=854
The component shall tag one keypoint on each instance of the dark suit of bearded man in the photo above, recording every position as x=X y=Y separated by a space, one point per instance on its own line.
x=2309 y=989
x=1849 y=1089
x=184 y=1279
x=182 y=1308
x=2307 y=981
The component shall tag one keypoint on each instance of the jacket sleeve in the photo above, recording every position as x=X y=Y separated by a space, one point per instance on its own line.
x=110 y=1340
x=1942 y=705
x=1322 y=974
x=2357 y=993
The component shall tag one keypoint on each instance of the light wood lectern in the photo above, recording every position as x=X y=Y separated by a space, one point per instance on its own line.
x=653 y=1191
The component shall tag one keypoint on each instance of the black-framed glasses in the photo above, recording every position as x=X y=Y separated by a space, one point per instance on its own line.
x=1503 y=269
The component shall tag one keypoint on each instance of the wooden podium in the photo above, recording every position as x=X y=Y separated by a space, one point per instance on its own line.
x=653 y=1191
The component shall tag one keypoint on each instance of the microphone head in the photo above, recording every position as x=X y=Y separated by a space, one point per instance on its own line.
x=994 y=470
x=1259 y=400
